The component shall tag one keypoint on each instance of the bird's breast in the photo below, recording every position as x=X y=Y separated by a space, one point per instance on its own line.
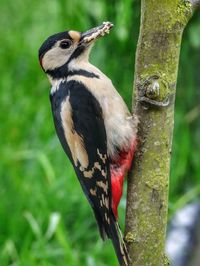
x=119 y=127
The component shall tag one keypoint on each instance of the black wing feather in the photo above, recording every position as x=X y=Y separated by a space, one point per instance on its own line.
x=88 y=123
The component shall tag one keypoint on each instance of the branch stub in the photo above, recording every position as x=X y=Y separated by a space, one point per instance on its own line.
x=154 y=91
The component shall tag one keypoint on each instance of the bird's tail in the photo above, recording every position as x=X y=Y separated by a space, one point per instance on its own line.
x=121 y=251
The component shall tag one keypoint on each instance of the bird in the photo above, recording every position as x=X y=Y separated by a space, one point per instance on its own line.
x=93 y=124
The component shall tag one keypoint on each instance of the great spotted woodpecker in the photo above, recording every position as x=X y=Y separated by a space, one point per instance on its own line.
x=93 y=124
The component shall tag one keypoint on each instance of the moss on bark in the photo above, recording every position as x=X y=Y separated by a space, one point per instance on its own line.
x=162 y=24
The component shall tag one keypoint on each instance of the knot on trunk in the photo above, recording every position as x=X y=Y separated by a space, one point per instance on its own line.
x=154 y=91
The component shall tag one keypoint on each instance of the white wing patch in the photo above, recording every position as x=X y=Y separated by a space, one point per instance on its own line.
x=74 y=140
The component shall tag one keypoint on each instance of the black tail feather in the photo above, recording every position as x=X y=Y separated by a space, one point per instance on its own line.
x=120 y=247
x=112 y=230
x=102 y=231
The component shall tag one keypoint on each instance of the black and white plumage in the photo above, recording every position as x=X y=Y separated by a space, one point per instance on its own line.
x=93 y=124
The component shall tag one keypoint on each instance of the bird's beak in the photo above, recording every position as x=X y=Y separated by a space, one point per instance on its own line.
x=93 y=34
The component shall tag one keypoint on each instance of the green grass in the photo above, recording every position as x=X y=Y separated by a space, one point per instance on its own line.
x=44 y=217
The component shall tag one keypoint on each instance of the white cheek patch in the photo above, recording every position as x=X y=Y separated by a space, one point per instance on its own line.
x=56 y=57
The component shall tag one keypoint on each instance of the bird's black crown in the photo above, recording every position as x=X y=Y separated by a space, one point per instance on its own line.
x=49 y=43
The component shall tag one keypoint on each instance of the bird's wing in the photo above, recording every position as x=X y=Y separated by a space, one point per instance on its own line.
x=80 y=127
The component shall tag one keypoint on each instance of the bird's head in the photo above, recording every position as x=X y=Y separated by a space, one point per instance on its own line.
x=65 y=49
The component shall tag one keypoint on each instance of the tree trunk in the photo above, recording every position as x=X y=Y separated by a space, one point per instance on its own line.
x=162 y=24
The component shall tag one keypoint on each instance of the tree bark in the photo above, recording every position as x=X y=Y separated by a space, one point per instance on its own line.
x=162 y=24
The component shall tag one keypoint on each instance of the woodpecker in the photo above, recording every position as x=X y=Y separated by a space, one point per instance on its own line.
x=93 y=124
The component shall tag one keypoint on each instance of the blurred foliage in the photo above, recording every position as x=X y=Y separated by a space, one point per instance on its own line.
x=44 y=217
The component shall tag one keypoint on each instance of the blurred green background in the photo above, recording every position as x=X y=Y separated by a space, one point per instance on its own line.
x=44 y=217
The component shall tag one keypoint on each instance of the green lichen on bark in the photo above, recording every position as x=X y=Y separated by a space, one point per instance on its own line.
x=162 y=24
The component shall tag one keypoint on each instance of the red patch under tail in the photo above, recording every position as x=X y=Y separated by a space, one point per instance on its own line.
x=118 y=170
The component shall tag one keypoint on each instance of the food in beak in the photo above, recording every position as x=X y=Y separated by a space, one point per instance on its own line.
x=97 y=32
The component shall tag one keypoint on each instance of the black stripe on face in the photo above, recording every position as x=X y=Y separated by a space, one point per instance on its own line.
x=82 y=72
x=62 y=72
x=79 y=50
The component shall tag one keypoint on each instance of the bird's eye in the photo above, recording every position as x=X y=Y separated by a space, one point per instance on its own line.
x=65 y=44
